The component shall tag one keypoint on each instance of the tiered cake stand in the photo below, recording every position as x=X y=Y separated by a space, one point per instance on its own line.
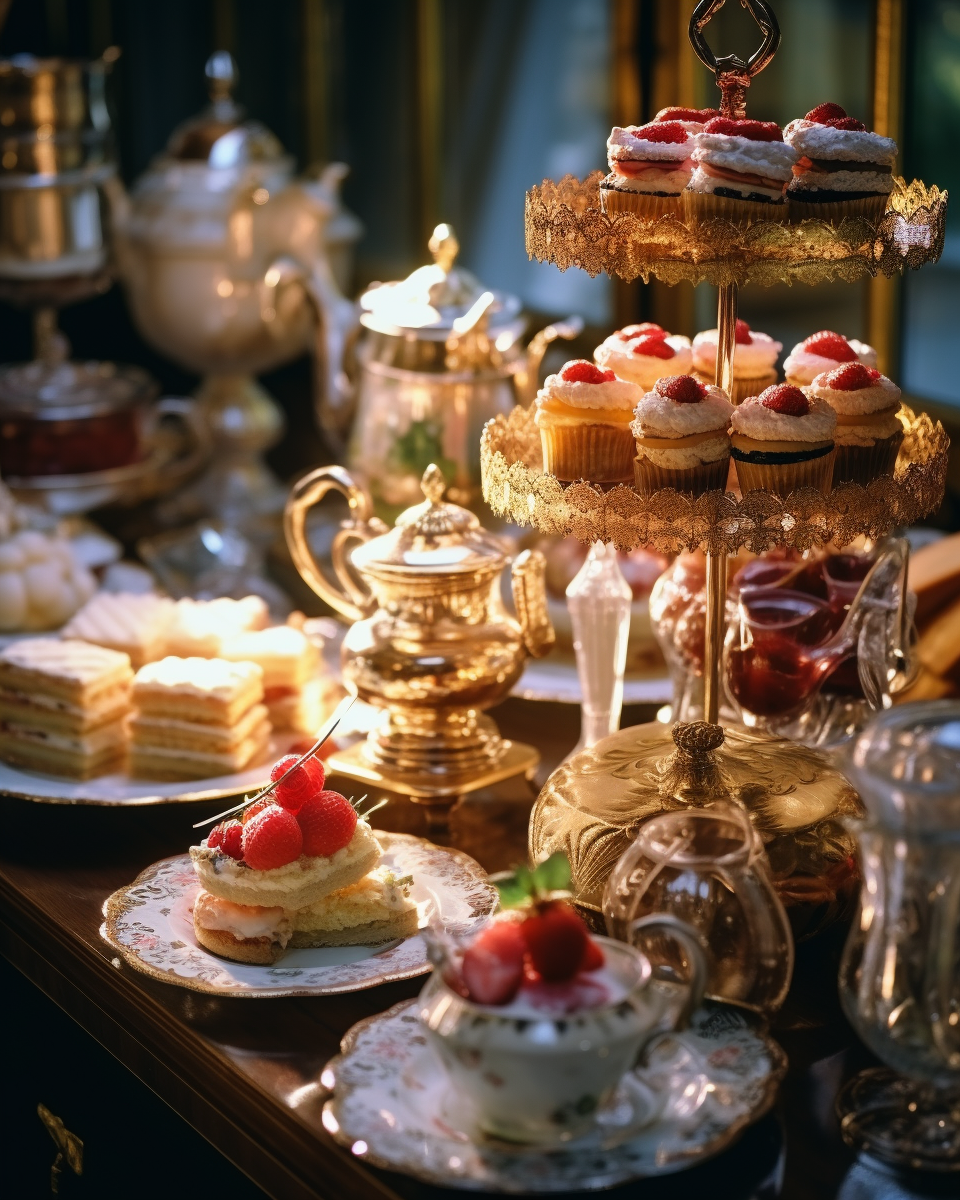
x=591 y=805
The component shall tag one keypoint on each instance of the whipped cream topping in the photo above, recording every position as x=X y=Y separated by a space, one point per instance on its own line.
x=626 y=143
x=803 y=367
x=660 y=416
x=242 y=920
x=756 y=357
x=644 y=369
x=774 y=160
x=668 y=179
x=616 y=393
x=813 y=140
x=861 y=401
x=755 y=420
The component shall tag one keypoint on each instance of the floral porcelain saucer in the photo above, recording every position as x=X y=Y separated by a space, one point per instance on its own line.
x=150 y=923
x=391 y=1103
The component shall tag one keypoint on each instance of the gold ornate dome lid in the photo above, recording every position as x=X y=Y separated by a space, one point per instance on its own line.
x=426 y=304
x=432 y=538
x=219 y=136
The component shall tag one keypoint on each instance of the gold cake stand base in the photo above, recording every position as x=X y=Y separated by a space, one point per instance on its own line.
x=438 y=793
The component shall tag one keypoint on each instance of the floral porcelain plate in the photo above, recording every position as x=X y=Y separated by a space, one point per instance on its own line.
x=392 y=1104
x=150 y=923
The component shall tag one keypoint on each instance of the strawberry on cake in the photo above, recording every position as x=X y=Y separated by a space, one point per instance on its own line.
x=692 y=119
x=822 y=352
x=642 y=353
x=844 y=169
x=782 y=440
x=650 y=165
x=584 y=415
x=741 y=171
x=869 y=430
x=681 y=436
x=754 y=360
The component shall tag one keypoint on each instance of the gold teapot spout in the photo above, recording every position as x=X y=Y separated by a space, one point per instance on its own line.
x=528 y=583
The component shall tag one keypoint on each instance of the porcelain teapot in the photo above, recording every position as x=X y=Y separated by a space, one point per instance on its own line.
x=431 y=641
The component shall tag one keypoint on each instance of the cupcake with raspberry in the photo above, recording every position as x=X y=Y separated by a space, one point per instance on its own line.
x=741 y=169
x=650 y=165
x=584 y=415
x=644 y=358
x=844 y=169
x=754 y=360
x=822 y=352
x=869 y=430
x=692 y=119
x=681 y=436
x=782 y=440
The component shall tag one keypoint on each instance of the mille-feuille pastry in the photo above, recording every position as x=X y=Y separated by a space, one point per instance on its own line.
x=197 y=717
x=295 y=696
x=303 y=709
x=63 y=705
x=134 y=624
x=200 y=627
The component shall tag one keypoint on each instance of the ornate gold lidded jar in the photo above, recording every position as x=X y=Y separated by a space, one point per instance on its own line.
x=432 y=642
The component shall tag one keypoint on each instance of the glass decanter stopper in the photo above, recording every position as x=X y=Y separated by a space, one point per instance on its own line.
x=599 y=599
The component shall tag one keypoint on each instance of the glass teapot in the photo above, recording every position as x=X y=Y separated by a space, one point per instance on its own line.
x=440 y=357
x=431 y=641
x=900 y=973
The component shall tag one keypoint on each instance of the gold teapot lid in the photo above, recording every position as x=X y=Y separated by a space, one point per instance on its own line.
x=432 y=538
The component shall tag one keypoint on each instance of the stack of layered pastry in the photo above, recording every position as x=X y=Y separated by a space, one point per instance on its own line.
x=298 y=869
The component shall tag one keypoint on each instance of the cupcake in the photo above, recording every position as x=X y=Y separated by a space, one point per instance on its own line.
x=650 y=166
x=754 y=360
x=741 y=169
x=783 y=439
x=643 y=359
x=692 y=119
x=681 y=436
x=844 y=170
x=584 y=417
x=869 y=431
x=822 y=352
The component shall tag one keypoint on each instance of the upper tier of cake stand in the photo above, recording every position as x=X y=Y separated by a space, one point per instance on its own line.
x=566 y=226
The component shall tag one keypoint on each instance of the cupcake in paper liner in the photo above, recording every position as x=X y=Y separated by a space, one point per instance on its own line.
x=844 y=169
x=584 y=415
x=782 y=440
x=869 y=429
x=754 y=360
x=741 y=169
x=650 y=165
x=644 y=353
x=822 y=352
x=681 y=436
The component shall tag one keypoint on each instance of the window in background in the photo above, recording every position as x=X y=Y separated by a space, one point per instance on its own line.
x=931 y=297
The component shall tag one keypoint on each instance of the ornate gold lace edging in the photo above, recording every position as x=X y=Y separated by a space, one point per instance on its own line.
x=516 y=488
x=566 y=226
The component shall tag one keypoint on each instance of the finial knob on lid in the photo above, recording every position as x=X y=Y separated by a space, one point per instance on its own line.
x=444 y=246
x=433 y=484
x=697 y=737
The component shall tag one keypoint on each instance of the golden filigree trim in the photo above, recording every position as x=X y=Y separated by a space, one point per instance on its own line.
x=517 y=488
x=566 y=226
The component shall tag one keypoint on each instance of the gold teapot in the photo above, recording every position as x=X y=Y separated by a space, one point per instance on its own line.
x=431 y=641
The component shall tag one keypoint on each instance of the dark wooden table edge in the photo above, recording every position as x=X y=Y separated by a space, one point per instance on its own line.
x=72 y=974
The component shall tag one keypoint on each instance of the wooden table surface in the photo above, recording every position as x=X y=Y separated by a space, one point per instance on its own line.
x=243 y=1073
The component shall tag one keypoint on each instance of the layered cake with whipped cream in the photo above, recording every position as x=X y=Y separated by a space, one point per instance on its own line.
x=63 y=706
x=754 y=360
x=681 y=436
x=643 y=353
x=741 y=171
x=197 y=717
x=584 y=414
x=869 y=429
x=844 y=169
x=822 y=352
x=650 y=165
x=782 y=440
x=299 y=868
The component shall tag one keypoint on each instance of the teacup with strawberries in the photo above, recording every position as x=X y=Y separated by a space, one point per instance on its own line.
x=536 y=1020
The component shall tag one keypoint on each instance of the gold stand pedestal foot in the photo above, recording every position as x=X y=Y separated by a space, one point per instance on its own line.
x=439 y=792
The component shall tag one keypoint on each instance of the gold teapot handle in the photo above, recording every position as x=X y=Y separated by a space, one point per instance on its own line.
x=529 y=589
x=346 y=596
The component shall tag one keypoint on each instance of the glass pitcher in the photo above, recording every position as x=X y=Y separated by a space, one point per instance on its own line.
x=900 y=974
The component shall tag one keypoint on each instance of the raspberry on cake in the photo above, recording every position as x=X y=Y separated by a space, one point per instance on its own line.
x=754 y=363
x=822 y=352
x=641 y=357
x=650 y=165
x=692 y=119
